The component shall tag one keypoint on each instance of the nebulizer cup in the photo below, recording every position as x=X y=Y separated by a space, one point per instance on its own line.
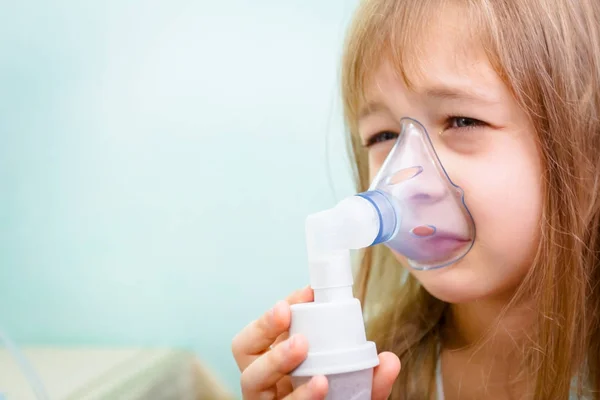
x=412 y=207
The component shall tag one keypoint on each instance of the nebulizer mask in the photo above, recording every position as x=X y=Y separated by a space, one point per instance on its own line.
x=413 y=208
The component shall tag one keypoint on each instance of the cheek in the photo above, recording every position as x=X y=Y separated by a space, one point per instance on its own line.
x=505 y=197
x=374 y=166
x=377 y=156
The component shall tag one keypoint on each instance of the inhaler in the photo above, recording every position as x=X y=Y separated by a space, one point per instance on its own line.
x=412 y=207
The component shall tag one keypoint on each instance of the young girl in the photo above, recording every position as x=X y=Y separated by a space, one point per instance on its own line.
x=509 y=91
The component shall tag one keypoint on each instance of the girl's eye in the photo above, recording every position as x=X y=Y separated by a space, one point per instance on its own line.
x=452 y=123
x=463 y=123
x=381 y=137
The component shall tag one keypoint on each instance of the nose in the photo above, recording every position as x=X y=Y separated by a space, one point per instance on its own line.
x=417 y=173
x=428 y=186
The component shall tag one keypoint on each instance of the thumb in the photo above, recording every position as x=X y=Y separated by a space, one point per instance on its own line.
x=384 y=375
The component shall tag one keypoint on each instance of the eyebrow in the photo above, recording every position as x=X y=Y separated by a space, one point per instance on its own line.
x=441 y=92
x=452 y=93
x=372 y=108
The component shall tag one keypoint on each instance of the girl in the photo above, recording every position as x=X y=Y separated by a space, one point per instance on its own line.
x=509 y=91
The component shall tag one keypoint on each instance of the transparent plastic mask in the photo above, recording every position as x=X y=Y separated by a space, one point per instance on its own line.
x=434 y=227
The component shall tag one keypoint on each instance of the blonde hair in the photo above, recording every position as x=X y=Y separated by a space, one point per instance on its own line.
x=548 y=54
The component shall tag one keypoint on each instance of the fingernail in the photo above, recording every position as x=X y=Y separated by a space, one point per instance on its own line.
x=291 y=343
x=313 y=383
x=272 y=313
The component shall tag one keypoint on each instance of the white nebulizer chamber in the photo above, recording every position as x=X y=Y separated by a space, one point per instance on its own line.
x=413 y=208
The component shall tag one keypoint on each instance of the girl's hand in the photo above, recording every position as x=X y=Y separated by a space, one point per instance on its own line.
x=266 y=355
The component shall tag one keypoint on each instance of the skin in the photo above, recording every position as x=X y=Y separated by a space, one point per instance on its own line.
x=491 y=153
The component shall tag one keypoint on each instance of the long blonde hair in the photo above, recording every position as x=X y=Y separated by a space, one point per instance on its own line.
x=548 y=53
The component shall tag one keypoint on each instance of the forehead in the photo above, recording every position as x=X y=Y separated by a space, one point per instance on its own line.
x=430 y=50
x=447 y=69
x=440 y=75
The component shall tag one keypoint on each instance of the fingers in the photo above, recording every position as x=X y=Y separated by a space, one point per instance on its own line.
x=384 y=375
x=284 y=387
x=315 y=389
x=263 y=374
x=257 y=336
x=303 y=295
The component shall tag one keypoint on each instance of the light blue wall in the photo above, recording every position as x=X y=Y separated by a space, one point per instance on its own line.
x=157 y=162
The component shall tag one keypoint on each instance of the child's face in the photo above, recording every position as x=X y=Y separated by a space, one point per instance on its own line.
x=487 y=145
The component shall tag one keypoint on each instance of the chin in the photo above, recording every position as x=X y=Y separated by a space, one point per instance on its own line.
x=461 y=282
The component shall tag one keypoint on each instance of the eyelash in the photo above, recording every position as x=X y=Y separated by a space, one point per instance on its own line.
x=389 y=135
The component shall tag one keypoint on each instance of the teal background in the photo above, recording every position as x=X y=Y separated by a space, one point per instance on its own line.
x=157 y=162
